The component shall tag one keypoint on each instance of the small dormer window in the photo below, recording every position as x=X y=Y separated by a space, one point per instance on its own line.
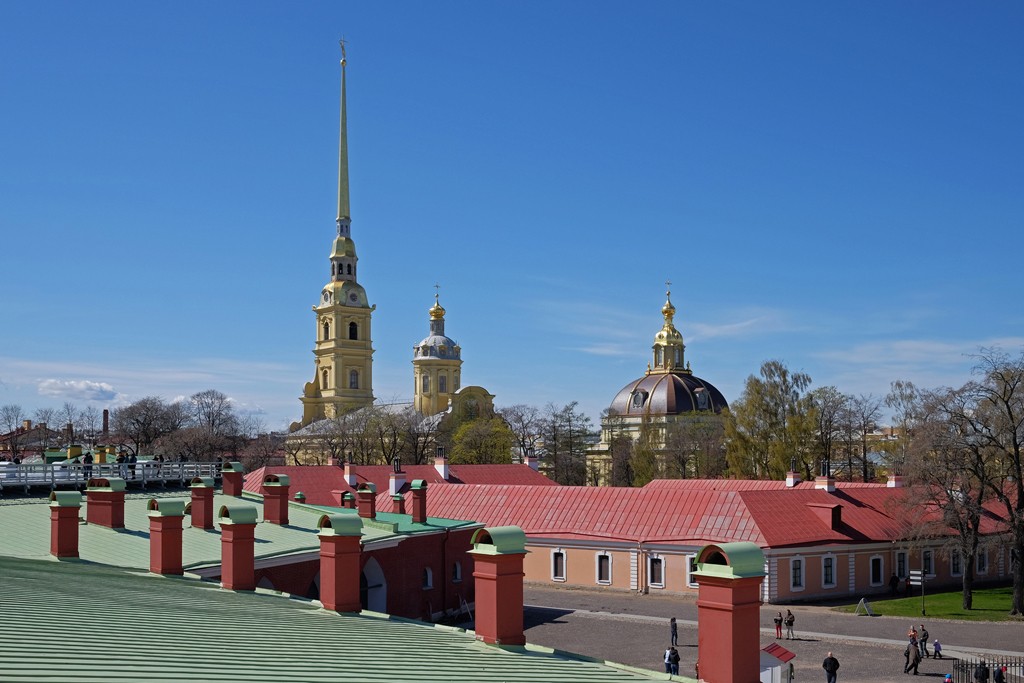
x=638 y=399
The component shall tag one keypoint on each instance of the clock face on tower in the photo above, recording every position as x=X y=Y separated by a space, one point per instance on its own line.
x=353 y=297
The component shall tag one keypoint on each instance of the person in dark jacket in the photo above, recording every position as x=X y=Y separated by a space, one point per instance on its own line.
x=673 y=631
x=913 y=658
x=831 y=667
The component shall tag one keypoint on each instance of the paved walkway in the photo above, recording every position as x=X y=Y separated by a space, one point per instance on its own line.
x=633 y=629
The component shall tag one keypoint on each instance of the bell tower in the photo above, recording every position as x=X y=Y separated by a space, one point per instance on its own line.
x=668 y=345
x=437 y=366
x=343 y=350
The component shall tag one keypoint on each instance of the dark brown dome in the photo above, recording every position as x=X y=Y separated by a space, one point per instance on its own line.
x=668 y=393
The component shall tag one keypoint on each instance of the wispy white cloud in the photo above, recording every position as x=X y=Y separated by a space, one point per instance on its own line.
x=77 y=390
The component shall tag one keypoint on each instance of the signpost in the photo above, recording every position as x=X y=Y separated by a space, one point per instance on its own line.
x=917 y=578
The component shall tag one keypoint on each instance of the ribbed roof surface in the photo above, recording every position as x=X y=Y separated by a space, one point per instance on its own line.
x=317 y=481
x=746 y=484
x=671 y=393
x=73 y=621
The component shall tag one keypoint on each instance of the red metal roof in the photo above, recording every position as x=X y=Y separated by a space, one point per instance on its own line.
x=780 y=653
x=318 y=481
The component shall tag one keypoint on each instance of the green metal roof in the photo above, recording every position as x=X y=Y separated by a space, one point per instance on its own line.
x=25 y=532
x=738 y=560
x=402 y=524
x=54 y=612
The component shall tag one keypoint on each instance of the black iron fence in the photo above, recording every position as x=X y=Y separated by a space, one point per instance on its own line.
x=971 y=670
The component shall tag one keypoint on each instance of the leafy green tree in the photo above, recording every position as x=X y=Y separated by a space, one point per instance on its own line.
x=772 y=421
x=484 y=441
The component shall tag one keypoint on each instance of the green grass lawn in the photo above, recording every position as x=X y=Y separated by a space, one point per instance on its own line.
x=990 y=604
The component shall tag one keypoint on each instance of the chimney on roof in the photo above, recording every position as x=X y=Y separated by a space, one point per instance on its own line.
x=441 y=463
x=64 y=507
x=531 y=459
x=165 y=521
x=825 y=481
x=350 y=474
x=201 y=507
x=339 y=562
x=26 y=425
x=238 y=547
x=396 y=480
x=348 y=501
x=104 y=497
x=106 y=423
x=334 y=461
x=894 y=481
x=232 y=478
x=399 y=504
x=275 y=498
x=366 y=495
x=419 y=500
x=69 y=432
x=793 y=476
x=498 y=554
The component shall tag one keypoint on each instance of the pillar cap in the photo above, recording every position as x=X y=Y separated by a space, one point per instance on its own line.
x=340 y=525
x=202 y=483
x=166 y=507
x=106 y=484
x=276 y=480
x=499 y=540
x=418 y=484
x=367 y=486
x=65 y=499
x=237 y=514
x=740 y=560
x=232 y=467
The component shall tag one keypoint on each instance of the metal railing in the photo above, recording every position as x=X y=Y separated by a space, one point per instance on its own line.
x=964 y=669
x=142 y=474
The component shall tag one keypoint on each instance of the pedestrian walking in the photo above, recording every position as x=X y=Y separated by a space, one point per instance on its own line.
x=673 y=631
x=937 y=649
x=673 y=661
x=87 y=461
x=790 y=620
x=922 y=639
x=668 y=660
x=914 y=659
x=778 y=625
x=981 y=673
x=1000 y=675
x=831 y=667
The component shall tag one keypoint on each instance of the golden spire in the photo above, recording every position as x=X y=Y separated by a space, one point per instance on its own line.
x=343 y=208
x=668 y=343
x=437 y=311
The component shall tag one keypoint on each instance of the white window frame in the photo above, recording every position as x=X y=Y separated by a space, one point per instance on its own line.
x=982 y=556
x=881 y=570
x=651 y=559
x=691 y=567
x=597 y=568
x=955 y=558
x=928 y=562
x=828 y=556
x=803 y=574
x=565 y=564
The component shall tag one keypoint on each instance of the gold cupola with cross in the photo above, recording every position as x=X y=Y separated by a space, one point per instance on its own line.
x=343 y=351
x=437 y=366
x=668 y=345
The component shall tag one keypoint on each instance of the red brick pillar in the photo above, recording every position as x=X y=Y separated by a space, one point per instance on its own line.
x=728 y=612
x=275 y=499
x=232 y=478
x=366 y=498
x=104 y=498
x=202 y=503
x=238 y=547
x=64 y=508
x=340 y=557
x=418 y=505
x=498 y=570
x=165 y=522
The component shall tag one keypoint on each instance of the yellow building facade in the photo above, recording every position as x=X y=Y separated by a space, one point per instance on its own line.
x=343 y=350
x=437 y=367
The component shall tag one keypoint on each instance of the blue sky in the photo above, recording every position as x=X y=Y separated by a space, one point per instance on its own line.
x=837 y=185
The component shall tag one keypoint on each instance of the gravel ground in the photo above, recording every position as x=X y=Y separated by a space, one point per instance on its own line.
x=633 y=629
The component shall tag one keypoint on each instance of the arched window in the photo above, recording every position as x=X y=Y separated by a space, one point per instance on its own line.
x=426 y=384
x=428 y=578
x=327 y=330
x=325 y=380
x=353 y=379
x=349 y=269
x=658 y=357
x=442 y=384
x=353 y=331
x=455 y=384
x=456 y=573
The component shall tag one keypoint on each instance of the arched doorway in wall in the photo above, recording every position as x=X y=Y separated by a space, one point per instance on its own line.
x=373 y=588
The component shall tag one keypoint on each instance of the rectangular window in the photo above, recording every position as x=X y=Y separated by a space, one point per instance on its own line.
x=796 y=577
x=558 y=565
x=901 y=565
x=426 y=384
x=604 y=569
x=982 y=564
x=691 y=567
x=876 y=571
x=442 y=384
x=956 y=564
x=656 y=572
x=926 y=563
x=828 y=572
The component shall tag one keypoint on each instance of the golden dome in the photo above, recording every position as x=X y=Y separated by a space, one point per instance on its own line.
x=436 y=311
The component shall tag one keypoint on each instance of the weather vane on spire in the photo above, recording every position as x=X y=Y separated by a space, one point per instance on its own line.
x=437 y=291
x=342 y=42
x=668 y=287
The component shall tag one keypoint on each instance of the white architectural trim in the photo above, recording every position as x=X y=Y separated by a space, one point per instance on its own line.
x=831 y=559
x=565 y=564
x=881 y=572
x=597 y=568
x=793 y=587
